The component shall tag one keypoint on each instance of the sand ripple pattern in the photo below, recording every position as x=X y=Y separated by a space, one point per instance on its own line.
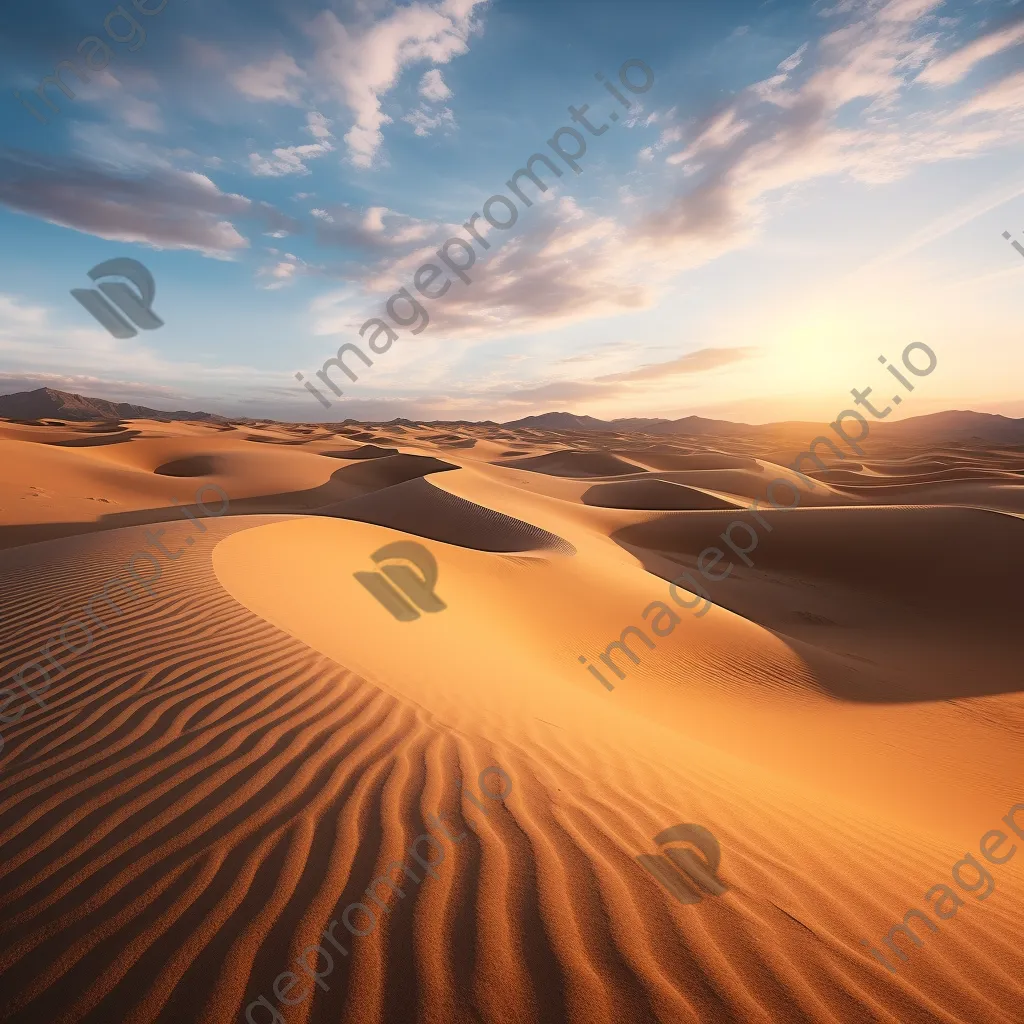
x=173 y=834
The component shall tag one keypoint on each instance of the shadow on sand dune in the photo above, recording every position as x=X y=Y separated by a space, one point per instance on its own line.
x=350 y=481
x=885 y=604
x=419 y=508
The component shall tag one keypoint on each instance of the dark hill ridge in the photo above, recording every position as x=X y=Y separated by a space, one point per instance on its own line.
x=47 y=403
x=939 y=426
x=951 y=426
x=635 y=425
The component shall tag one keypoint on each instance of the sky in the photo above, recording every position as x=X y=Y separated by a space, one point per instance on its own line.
x=747 y=205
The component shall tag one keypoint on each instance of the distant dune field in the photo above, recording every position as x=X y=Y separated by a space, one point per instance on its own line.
x=225 y=762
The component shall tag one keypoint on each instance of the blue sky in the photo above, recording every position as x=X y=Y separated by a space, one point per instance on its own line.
x=802 y=188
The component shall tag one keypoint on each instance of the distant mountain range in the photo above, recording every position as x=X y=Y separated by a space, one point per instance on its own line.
x=948 y=426
x=47 y=403
x=638 y=425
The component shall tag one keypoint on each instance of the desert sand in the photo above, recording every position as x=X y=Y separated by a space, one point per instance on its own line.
x=237 y=756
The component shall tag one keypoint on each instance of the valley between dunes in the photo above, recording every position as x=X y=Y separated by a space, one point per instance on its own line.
x=235 y=758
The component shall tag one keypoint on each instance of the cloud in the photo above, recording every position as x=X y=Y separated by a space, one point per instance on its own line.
x=283 y=271
x=783 y=132
x=956 y=66
x=157 y=205
x=702 y=360
x=424 y=121
x=362 y=63
x=565 y=266
x=1004 y=95
x=374 y=229
x=559 y=391
x=432 y=87
x=292 y=159
x=286 y=160
x=277 y=80
x=318 y=126
x=142 y=115
x=792 y=62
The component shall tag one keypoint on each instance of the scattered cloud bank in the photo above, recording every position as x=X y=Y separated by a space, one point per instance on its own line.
x=567 y=264
x=796 y=126
x=870 y=100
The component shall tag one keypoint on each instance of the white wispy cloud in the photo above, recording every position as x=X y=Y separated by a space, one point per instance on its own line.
x=956 y=66
x=433 y=88
x=278 y=79
x=424 y=121
x=292 y=159
x=362 y=62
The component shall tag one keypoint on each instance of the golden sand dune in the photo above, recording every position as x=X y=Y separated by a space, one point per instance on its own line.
x=653 y=494
x=575 y=464
x=212 y=812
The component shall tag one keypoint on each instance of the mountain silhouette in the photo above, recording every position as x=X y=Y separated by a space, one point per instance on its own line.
x=48 y=403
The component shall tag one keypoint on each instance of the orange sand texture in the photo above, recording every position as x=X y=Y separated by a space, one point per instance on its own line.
x=229 y=763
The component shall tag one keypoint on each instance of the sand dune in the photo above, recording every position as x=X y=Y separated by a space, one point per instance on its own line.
x=234 y=758
x=575 y=464
x=652 y=494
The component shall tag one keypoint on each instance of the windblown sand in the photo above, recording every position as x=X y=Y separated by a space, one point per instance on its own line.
x=239 y=755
